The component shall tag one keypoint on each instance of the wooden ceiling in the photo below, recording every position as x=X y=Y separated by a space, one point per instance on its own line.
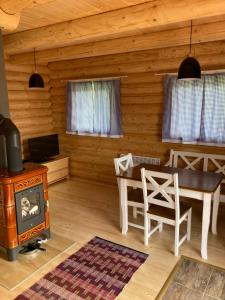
x=49 y=24
x=56 y=11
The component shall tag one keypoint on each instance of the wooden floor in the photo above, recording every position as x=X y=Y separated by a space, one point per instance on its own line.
x=80 y=210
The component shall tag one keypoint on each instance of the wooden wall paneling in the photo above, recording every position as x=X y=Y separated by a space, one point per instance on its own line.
x=30 y=109
x=202 y=33
x=141 y=106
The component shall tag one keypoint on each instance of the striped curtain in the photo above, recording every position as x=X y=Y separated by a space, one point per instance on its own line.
x=93 y=108
x=194 y=110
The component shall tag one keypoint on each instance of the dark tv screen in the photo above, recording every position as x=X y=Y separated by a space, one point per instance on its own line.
x=43 y=148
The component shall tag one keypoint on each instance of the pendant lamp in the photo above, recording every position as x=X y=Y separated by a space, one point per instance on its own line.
x=36 y=81
x=189 y=68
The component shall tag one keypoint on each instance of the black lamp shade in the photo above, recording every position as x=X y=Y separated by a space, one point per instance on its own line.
x=36 y=81
x=189 y=69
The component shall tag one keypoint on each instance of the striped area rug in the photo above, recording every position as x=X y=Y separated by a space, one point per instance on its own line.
x=98 y=271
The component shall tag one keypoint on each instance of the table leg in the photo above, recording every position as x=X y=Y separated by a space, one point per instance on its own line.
x=124 y=208
x=216 y=201
x=120 y=207
x=205 y=223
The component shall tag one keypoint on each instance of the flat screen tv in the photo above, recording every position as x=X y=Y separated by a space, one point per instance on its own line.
x=42 y=148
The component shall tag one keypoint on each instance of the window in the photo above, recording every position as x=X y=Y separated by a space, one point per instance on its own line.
x=194 y=110
x=93 y=108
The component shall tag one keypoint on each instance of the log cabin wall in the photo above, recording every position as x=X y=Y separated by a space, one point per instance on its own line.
x=30 y=109
x=141 y=105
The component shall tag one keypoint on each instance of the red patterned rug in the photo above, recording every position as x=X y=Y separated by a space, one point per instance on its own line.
x=98 y=271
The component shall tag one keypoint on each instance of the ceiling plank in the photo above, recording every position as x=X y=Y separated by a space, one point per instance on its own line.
x=114 y=23
x=10 y=12
x=58 y=11
x=155 y=40
x=16 y=6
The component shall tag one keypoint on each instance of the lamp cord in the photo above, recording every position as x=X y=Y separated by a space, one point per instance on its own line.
x=190 y=39
x=35 y=66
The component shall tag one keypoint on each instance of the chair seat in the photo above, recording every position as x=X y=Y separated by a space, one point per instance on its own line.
x=166 y=212
x=136 y=195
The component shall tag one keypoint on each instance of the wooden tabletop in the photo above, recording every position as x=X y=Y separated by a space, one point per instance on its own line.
x=189 y=179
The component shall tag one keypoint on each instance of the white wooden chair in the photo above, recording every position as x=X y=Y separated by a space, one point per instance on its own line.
x=162 y=204
x=204 y=162
x=198 y=161
x=135 y=195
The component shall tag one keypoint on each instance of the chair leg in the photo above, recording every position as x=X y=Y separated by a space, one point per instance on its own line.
x=176 y=244
x=216 y=202
x=135 y=212
x=149 y=225
x=146 y=228
x=120 y=212
x=189 y=225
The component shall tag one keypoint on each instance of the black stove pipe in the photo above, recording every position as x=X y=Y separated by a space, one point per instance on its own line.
x=10 y=147
x=4 y=103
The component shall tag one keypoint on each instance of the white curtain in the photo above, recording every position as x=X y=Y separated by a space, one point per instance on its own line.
x=213 y=114
x=186 y=110
x=93 y=108
x=194 y=111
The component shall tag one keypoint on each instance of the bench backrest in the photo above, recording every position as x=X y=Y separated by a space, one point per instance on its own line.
x=199 y=161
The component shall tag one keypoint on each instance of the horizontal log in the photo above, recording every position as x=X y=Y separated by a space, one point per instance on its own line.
x=25 y=114
x=128 y=58
x=25 y=68
x=137 y=109
x=113 y=24
x=30 y=95
x=142 y=99
x=34 y=121
x=16 y=76
x=16 y=6
x=23 y=104
x=31 y=130
x=204 y=34
x=23 y=86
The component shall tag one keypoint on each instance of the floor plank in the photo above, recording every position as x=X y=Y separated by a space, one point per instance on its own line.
x=80 y=210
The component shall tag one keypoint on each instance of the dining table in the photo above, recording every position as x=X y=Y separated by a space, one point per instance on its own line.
x=203 y=186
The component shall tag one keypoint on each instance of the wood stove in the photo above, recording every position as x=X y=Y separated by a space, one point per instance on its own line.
x=24 y=211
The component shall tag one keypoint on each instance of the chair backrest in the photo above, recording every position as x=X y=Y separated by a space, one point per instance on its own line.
x=197 y=161
x=137 y=160
x=123 y=163
x=160 y=189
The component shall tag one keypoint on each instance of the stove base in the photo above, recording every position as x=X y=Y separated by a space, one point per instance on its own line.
x=12 y=253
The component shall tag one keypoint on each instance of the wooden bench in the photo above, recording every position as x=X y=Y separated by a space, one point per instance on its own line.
x=199 y=161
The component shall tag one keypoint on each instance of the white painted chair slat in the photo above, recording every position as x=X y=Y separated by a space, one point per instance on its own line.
x=205 y=164
x=191 y=159
x=170 y=191
x=123 y=163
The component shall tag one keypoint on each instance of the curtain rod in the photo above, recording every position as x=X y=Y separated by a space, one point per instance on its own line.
x=203 y=72
x=94 y=79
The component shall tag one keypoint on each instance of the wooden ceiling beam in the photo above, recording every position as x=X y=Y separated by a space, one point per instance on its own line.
x=16 y=6
x=113 y=24
x=9 y=21
x=176 y=37
x=10 y=11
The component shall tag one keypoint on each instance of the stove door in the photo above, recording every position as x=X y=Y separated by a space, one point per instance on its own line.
x=30 y=208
